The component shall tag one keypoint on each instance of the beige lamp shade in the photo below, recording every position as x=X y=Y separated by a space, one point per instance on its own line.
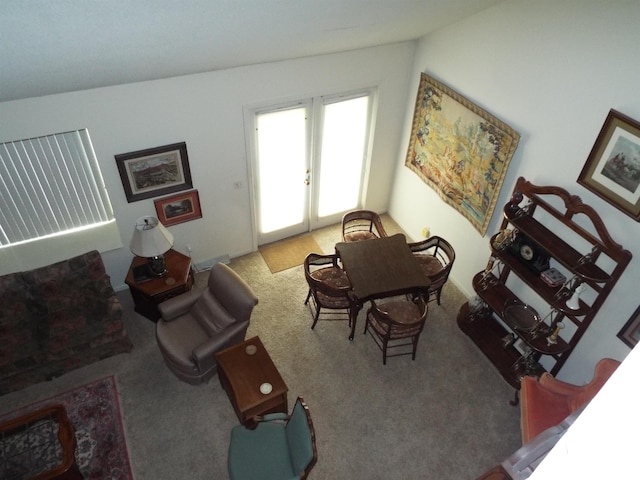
x=150 y=238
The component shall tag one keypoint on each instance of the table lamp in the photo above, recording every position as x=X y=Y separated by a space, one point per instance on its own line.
x=151 y=240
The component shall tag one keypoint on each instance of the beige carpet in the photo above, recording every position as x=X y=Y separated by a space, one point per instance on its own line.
x=444 y=416
x=288 y=253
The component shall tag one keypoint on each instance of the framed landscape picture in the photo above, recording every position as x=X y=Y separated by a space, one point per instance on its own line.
x=179 y=208
x=612 y=170
x=630 y=332
x=154 y=171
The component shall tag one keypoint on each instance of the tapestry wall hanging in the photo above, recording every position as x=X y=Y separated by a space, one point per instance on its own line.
x=459 y=150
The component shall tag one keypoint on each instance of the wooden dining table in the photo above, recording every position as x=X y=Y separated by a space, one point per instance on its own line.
x=379 y=268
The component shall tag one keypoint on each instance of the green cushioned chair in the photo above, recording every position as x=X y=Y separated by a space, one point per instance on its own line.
x=280 y=447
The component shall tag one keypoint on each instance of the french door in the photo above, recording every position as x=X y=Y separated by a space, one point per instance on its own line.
x=308 y=163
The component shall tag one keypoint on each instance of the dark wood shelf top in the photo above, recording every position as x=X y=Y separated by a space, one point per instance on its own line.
x=532 y=279
x=488 y=336
x=560 y=250
x=497 y=296
x=587 y=252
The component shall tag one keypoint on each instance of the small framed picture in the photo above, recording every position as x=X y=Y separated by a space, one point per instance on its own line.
x=630 y=332
x=154 y=171
x=179 y=208
x=612 y=170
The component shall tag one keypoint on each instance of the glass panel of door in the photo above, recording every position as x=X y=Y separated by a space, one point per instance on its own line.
x=287 y=199
x=282 y=163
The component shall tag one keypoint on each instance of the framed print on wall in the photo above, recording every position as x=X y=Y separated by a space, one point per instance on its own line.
x=630 y=332
x=179 y=208
x=154 y=171
x=612 y=170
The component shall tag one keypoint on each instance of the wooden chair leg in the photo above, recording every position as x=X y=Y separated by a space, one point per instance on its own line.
x=384 y=352
x=315 y=319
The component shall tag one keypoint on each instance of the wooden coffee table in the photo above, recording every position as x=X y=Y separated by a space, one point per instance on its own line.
x=243 y=369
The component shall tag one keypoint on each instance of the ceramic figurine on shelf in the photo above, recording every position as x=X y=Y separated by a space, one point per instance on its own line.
x=503 y=239
x=574 y=302
x=476 y=303
x=508 y=340
x=488 y=279
x=516 y=198
x=553 y=338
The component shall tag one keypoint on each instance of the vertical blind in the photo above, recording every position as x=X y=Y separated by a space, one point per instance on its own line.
x=50 y=184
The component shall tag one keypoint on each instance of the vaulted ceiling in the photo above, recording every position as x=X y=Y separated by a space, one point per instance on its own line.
x=56 y=46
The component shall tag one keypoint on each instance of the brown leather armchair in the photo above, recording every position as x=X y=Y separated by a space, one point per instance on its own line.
x=196 y=325
x=546 y=401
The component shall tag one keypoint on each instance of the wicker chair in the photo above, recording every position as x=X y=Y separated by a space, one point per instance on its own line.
x=361 y=225
x=397 y=323
x=436 y=257
x=329 y=287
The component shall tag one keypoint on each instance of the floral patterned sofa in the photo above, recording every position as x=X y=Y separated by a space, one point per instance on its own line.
x=57 y=318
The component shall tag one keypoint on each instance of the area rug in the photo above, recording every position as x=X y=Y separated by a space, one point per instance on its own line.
x=94 y=411
x=288 y=253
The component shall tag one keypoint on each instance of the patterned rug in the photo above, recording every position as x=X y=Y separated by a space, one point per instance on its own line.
x=94 y=411
x=288 y=253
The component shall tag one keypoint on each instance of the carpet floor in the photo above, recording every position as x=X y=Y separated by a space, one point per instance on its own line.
x=443 y=416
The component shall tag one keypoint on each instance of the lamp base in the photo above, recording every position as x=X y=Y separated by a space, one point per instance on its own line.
x=157 y=266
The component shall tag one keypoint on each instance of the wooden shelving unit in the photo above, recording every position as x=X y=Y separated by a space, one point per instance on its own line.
x=589 y=258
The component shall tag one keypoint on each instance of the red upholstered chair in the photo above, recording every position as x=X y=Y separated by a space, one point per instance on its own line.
x=546 y=401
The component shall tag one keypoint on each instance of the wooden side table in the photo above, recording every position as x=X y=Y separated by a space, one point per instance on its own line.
x=243 y=369
x=148 y=294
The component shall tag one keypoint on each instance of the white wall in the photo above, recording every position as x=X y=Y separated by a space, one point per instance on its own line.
x=206 y=111
x=552 y=70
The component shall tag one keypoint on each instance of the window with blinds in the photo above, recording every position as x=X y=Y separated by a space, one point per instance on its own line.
x=50 y=185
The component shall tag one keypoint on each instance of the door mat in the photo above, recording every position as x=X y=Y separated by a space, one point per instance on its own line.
x=94 y=411
x=288 y=253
